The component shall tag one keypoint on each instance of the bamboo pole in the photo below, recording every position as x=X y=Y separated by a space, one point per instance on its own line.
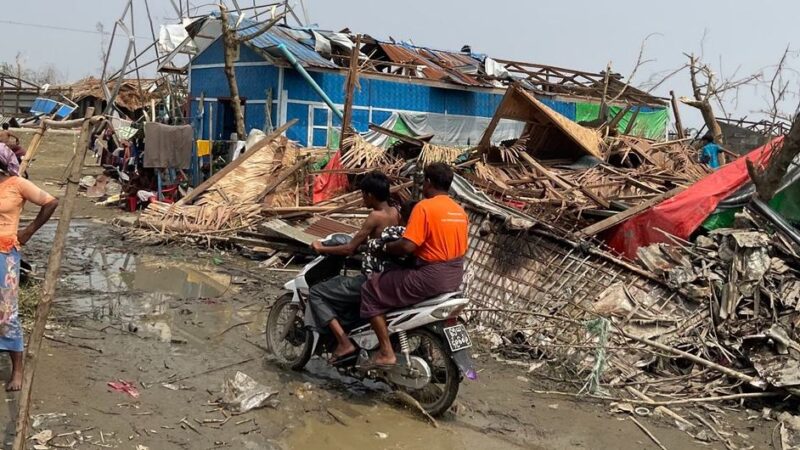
x=33 y=148
x=50 y=281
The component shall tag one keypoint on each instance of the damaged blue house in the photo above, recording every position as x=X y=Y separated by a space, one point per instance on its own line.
x=411 y=89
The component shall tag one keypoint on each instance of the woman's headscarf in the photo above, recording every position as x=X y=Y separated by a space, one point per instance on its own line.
x=8 y=160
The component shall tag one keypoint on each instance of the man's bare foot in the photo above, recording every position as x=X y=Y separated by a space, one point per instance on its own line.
x=345 y=350
x=382 y=359
x=15 y=383
x=341 y=352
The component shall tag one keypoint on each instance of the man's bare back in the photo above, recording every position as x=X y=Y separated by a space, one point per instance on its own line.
x=382 y=219
x=5 y=137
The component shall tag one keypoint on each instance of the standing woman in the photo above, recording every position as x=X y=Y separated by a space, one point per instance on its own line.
x=14 y=192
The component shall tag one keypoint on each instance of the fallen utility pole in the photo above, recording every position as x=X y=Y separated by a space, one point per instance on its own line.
x=50 y=281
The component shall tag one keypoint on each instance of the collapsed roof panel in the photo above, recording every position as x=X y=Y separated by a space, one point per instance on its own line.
x=556 y=135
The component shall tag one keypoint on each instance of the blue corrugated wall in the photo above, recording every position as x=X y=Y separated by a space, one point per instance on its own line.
x=378 y=94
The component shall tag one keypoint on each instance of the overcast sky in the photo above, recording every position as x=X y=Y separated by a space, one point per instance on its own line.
x=742 y=36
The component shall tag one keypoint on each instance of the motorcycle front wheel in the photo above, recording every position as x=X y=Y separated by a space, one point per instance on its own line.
x=288 y=339
x=438 y=395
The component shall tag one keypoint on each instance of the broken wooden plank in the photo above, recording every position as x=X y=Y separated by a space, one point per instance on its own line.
x=200 y=189
x=282 y=177
x=562 y=182
x=283 y=229
x=630 y=179
x=616 y=219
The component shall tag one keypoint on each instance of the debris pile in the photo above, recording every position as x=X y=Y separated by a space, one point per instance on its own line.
x=265 y=176
x=751 y=292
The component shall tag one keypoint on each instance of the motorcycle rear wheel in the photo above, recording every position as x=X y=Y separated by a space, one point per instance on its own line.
x=288 y=340
x=436 y=397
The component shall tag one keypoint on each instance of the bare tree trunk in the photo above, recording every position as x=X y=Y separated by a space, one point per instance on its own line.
x=702 y=101
x=768 y=180
x=231 y=43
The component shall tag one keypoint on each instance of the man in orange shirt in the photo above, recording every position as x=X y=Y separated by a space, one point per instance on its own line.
x=437 y=235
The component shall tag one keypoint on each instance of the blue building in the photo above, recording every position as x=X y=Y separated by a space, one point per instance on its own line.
x=455 y=94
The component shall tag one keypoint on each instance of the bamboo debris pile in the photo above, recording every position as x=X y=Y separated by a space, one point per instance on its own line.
x=361 y=154
x=577 y=192
x=435 y=153
x=235 y=202
x=696 y=323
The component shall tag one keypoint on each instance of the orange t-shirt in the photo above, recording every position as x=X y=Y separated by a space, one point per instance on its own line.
x=438 y=226
x=14 y=192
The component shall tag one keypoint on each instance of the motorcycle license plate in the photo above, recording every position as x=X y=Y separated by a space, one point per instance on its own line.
x=457 y=337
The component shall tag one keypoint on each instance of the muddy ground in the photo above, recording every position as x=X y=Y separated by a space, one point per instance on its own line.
x=176 y=321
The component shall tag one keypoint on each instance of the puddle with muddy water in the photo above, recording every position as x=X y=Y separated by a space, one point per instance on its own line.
x=149 y=294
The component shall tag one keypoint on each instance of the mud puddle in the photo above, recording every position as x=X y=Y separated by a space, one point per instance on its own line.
x=379 y=426
x=176 y=322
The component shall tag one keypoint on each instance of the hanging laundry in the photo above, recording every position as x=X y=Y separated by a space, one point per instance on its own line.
x=168 y=146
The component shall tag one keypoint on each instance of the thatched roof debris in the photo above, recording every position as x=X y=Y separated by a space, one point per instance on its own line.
x=133 y=94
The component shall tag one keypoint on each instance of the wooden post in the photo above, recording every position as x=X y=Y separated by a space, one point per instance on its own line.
x=50 y=281
x=352 y=80
x=33 y=147
x=678 y=122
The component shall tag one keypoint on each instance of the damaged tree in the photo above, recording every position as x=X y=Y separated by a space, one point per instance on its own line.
x=706 y=88
x=769 y=179
x=232 y=41
x=702 y=98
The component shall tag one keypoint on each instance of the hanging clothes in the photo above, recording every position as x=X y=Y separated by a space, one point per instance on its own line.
x=168 y=146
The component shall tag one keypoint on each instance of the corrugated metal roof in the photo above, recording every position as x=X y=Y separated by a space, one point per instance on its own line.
x=402 y=55
x=325 y=226
x=437 y=64
x=291 y=38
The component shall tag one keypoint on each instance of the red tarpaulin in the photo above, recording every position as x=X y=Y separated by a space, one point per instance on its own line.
x=327 y=185
x=683 y=213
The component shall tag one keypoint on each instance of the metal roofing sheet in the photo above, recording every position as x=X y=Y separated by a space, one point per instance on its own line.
x=402 y=55
x=325 y=226
x=279 y=34
x=438 y=65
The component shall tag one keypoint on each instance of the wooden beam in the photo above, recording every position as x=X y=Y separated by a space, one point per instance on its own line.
x=678 y=122
x=350 y=86
x=616 y=219
x=229 y=168
x=564 y=184
x=486 y=139
x=630 y=179
x=33 y=148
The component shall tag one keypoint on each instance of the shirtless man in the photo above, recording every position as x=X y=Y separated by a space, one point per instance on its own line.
x=338 y=298
x=437 y=235
x=5 y=136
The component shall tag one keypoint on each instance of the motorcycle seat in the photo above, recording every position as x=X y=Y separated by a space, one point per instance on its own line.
x=438 y=299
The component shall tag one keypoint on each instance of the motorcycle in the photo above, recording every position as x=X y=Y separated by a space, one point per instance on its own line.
x=429 y=339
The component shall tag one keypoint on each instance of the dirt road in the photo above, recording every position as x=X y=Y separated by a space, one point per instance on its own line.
x=176 y=321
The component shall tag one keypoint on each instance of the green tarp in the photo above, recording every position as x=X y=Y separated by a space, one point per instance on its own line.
x=651 y=124
x=786 y=203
